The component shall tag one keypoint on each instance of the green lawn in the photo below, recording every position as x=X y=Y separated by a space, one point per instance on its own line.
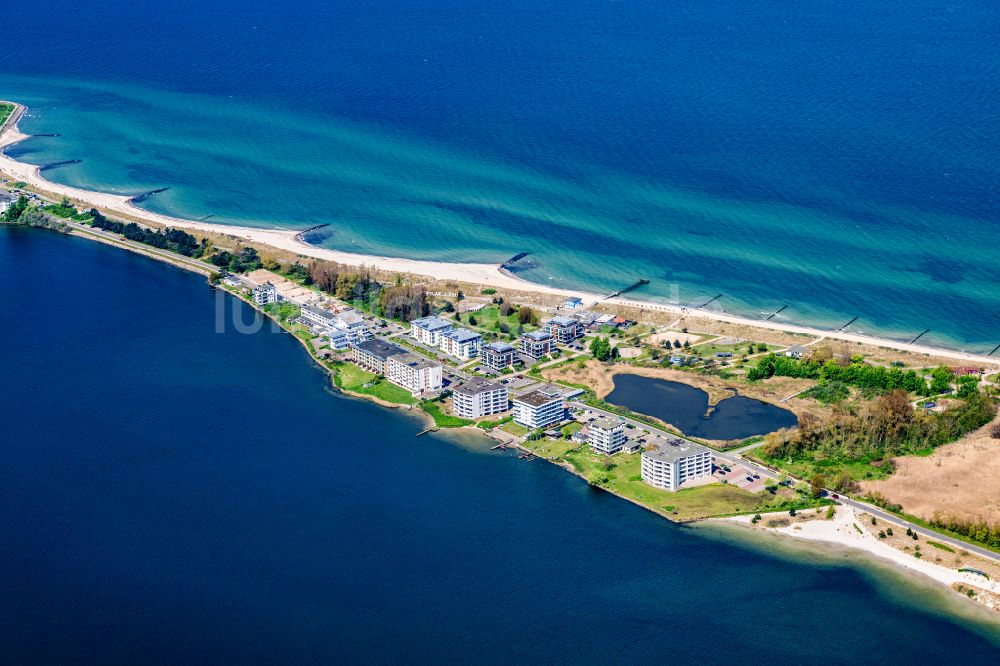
x=624 y=477
x=5 y=110
x=351 y=377
x=389 y=392
x=488 y=317
x=737 y=350
x=514 y=429
x=441 y=418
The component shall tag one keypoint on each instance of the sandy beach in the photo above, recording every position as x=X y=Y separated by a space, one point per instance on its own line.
x=481 y=274
x=841 y=530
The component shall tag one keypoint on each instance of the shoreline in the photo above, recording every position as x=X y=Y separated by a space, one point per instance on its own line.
x=486 y=275
x=838 y=532
x=843 y=530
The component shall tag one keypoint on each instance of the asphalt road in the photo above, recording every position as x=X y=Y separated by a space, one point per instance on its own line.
x=736 y=458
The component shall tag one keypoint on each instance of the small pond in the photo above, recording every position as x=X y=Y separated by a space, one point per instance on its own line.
x=685 y=407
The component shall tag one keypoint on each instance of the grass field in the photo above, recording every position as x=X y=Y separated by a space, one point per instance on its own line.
x=442 y=419
x=621 y=474
x=352 y=378
x=514 y=429
x=5 y=110
x=489 y=317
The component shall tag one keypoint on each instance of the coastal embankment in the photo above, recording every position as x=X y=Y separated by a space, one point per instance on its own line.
x=487 y=275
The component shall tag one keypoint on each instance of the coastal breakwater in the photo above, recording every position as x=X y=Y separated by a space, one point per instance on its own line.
x=486 y=275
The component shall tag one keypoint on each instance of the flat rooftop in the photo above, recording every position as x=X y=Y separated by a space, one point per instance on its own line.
x=477 y=385
x=463 y=335
x=381 y=348
x=674 y=449
x=606 y=423
x=431 y=323
x=538 y=398
x=413 y=360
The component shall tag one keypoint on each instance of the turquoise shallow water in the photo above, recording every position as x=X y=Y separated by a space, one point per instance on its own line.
x=836 y=157
x=174 y=492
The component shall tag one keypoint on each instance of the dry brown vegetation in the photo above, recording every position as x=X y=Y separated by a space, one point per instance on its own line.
x=960 y=479
x=949 y=556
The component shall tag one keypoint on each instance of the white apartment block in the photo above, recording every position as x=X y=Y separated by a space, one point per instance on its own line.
x=413 y=372
x=317 y=317
x=372 y=354
x=563 y=329
x=606 y=435
x=265 y=294
x=478 y=397
x=461 y=343
x=670 y=465
x=539 y=408
x=429 y=330
x=346 y=325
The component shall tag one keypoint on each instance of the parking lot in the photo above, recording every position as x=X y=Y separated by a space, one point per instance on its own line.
x=739 y=476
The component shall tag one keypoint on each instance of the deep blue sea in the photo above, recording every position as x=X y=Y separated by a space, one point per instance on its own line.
x=178 y=488
x=839 y=157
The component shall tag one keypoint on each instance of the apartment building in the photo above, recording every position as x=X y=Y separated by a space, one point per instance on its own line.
x=372 y=354
x=536 y=344
x=478 y=397
x=429 y=330
x=498 y=355
x=670 y=465
x=413 y=372
x=539 y=408
x=461 y=343
x=606 y=435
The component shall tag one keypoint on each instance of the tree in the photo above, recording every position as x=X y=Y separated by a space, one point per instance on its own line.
x=472 y=321
x=816 y=486
x=940 y=380
x=526 y=315
x=677 y=344
x=967 y=385
x=601 y=349
x=448 y=306
x=459 y=296
x=687 y=345
x=14 y=211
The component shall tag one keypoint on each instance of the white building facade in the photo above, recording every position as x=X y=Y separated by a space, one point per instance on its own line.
x=429 y=330
x=606 y=435
x=461 y=343
x=478 y=397
x=413 y=372
x=539 y=408
x=264 y=294
x=536 y=344
x=671 y=465
x=563 y=329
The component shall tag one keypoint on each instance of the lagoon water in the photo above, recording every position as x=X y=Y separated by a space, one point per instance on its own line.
x=838 y=157
x=176 y=494
x=686 y=407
